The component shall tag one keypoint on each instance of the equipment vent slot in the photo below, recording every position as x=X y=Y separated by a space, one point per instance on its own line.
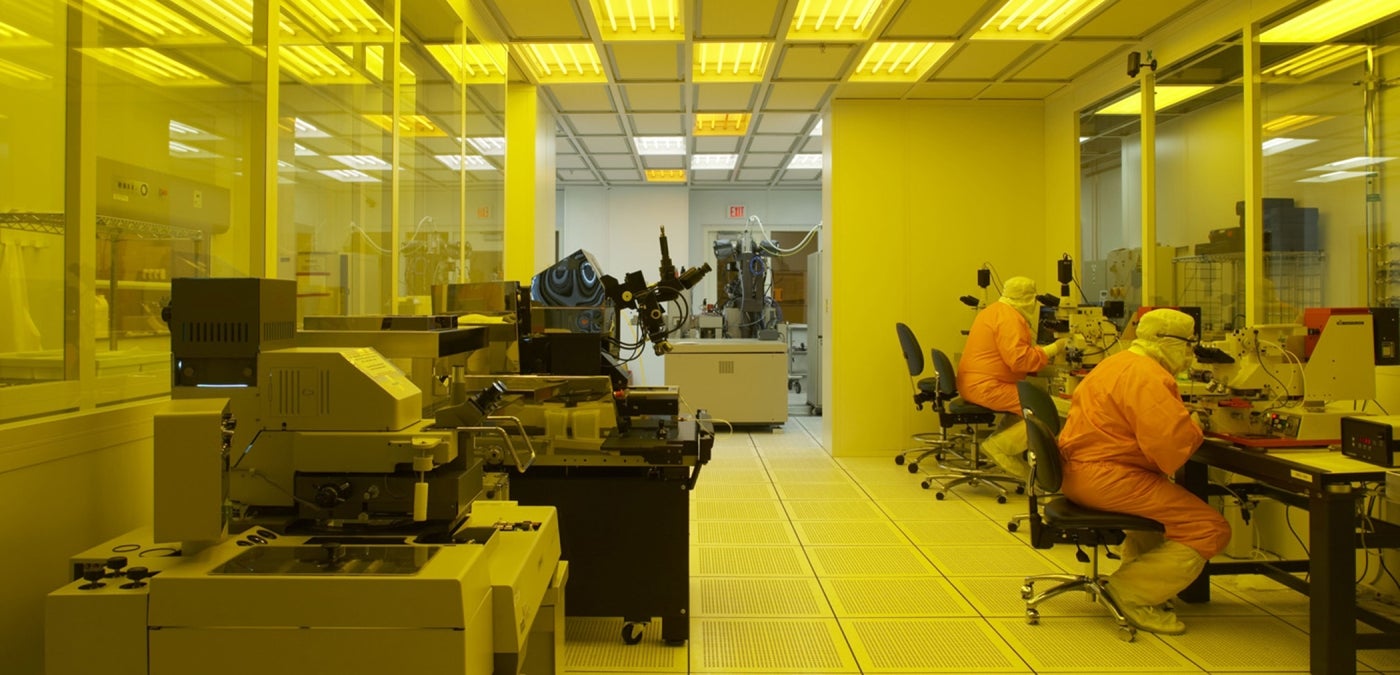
x=214 y=331
x=325 y=392
x=287 y=384
x=726 y=367
x=279 y=330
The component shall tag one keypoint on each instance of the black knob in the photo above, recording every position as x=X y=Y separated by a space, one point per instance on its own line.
x=331 y=495
x=136 y=574
x=116 y=563
x=93 y=576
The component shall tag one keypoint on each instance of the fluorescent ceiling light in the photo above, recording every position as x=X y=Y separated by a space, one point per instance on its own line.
x=722 y=124
x=729 y=61
x=639 y=19
x=817 y=130
x=1165 y=96
x=1273 y=146
x=342 y=19
x=190 y=133
x=1315 y=59
x=302 y=151
x=474 y=64
x=152 y=19
x=698 y=162
x=374 y=62
x=563 y=63
x=151 y=65
x=11 y=36
x=178 y=149
x=286 y=166
x=304 y=129
x=660 y=145
x=1351 y=163
x=316 y=64
x=665 y=175
x=1335 y=176
x=362 y=162
x=806 y=160
x=13 y=72
x=349 y=175
x=1279 y=125
x=410 y=126
x=899 y=61
x=471 y=162
x=1328 y=20
x=847 y=21
x=491 y=146
x=1035 y=19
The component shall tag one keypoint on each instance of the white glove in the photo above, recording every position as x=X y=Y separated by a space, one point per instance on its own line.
x=1196 y=419
x=1054 y=348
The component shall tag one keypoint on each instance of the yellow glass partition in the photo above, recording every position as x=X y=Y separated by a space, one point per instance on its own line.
x=1110 y=220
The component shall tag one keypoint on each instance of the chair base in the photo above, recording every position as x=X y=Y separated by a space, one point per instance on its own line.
x=974 y=478
x=1094 y=586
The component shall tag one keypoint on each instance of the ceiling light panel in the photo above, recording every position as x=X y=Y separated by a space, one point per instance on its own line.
x=1329 y=20
x=899 y=61
x=665 y=175
x=836 y=20
x=11 y=36
x=151 y=19
x=1035 y=19
x=817 y=130
x=805 y=161
x=304 y=129
x=1351 y=163
x=151 y=65
x=700 y=162
x=562 y=63
x=469 y=162
x=722 y=124
x=491 y=146
x=316 y=64
x=410 y=126
x=186 y=151
x=651 y=20
x=14 y=73
x=1285 y=123
x=729 y=61
x=471 y=64
x=659 y=145
x=1335 y=176
x=340 y=20
x=1165 y=96
x=186 y=132
x=349 y=175
x=1315 y=60
x=1273 y=146
x=362 y=162
x=300 y=150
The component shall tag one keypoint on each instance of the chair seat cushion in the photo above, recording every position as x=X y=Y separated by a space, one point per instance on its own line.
x=1065 y=514
x=958 y=406
x=928 y=385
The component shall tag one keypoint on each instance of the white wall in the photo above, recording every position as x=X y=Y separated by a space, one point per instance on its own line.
x=779 y=210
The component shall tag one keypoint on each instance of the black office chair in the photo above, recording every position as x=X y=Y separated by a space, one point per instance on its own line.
x=954 y=412
x=935 y=444
x=1060 y=520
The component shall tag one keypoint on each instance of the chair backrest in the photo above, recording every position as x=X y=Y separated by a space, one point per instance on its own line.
x=1038 y=401
x=1040 y=438
x=913 y=356
x=947 y=376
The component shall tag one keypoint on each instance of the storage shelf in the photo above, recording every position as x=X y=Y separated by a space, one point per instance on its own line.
x=108 y=227
x=139 y=286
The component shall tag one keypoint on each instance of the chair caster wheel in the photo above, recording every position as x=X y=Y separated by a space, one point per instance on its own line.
x=631 y=633
x=926 y=484
x=913 y=467
x=1012 y=526
x=1127 y=633
x=899 y=459
x=1020 y=489
x=1026 y=592
x=1001 y=499
x=1032 y=616
x=938 y=496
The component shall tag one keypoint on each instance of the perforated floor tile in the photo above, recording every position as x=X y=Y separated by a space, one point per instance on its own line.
x=1385 y=660
x=775 y=596
x=833 y=509
x=850 y=533
x=798 y=462
x=817 y=475
x=748 y=561
x=865 y=561
x=930 y=646
x=908 y=489
x=769 y=646
x=739 y=532
x=895 y=597
x=1267 y=594
x=1080 y=645
x=1001 y=597
x=819 y=491
x=1221 y=644
x=989 y=561
x=735 y=475
x=595 y=645
x=955 y=532
x=1222 y=603
x=930 y=509
x=738 y=509
x=707 y=489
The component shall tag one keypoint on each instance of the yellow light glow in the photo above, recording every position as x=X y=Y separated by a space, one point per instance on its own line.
x=1287 y=123
x=836 y=20
x=17 y=74
x=314 y=64
x=471 y=63
x=653 y=20
x=11 y=36
x=554 y=63
x=152 y=19
x=374 y=61
x=340 y=19
x=722 y=124
x=409 y=125
x=665 y=175
x=151 y=65
x=1315 y=59
x=1035 y=19
x=1328 y=20
x=899 y=61
x=1165 y=96
x=729 y=61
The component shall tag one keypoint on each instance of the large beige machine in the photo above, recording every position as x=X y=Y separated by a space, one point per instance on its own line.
x=742 y=381
x=358 y=541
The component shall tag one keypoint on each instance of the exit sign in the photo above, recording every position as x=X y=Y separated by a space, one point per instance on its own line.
x=483 y=212
x=736 y=212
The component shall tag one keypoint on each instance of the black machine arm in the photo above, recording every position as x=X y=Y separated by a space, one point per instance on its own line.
x=634 y=293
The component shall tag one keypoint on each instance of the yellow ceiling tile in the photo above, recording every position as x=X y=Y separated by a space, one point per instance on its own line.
x=723 y=97
x=653 y=97
x=813 y=62
x=738 y=19
x=654 y=61
x=800 y=96
x=541 y=20
x=1033 y=91
x=583 y=97
x=947 y=90
x=1132 y=20
x=981 y=60
x=877 y=90
x=1067 y=59
x=932 y=19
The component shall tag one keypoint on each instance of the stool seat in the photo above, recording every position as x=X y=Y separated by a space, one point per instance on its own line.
x=1065 y=514
x=958 y=406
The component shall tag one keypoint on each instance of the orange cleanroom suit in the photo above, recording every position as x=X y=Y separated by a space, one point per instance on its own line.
x=1000 y=352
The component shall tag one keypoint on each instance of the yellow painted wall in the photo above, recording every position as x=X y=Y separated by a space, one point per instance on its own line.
x=530 y=177
x=922 y=193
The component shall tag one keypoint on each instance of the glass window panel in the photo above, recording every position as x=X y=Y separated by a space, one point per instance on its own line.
x=1110 y=160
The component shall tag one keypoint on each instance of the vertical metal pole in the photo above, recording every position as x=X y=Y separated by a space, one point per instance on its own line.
x=1254 y=300
x=80 y=213
x=391 y=67
x=1149 y=186
x=1375 y=223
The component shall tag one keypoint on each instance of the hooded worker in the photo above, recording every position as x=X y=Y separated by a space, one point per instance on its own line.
x=1127 y=431
x=1000 y=352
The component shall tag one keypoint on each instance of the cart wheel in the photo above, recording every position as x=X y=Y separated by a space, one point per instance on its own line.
x=913 y=467
x=1033 y=617
x=1127 y=633
x=938 y=495
x=1012 y=526
x=1001 y=499
x=1020 y=489
x=899 y=459
x=926 y=484
x=631 y=633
